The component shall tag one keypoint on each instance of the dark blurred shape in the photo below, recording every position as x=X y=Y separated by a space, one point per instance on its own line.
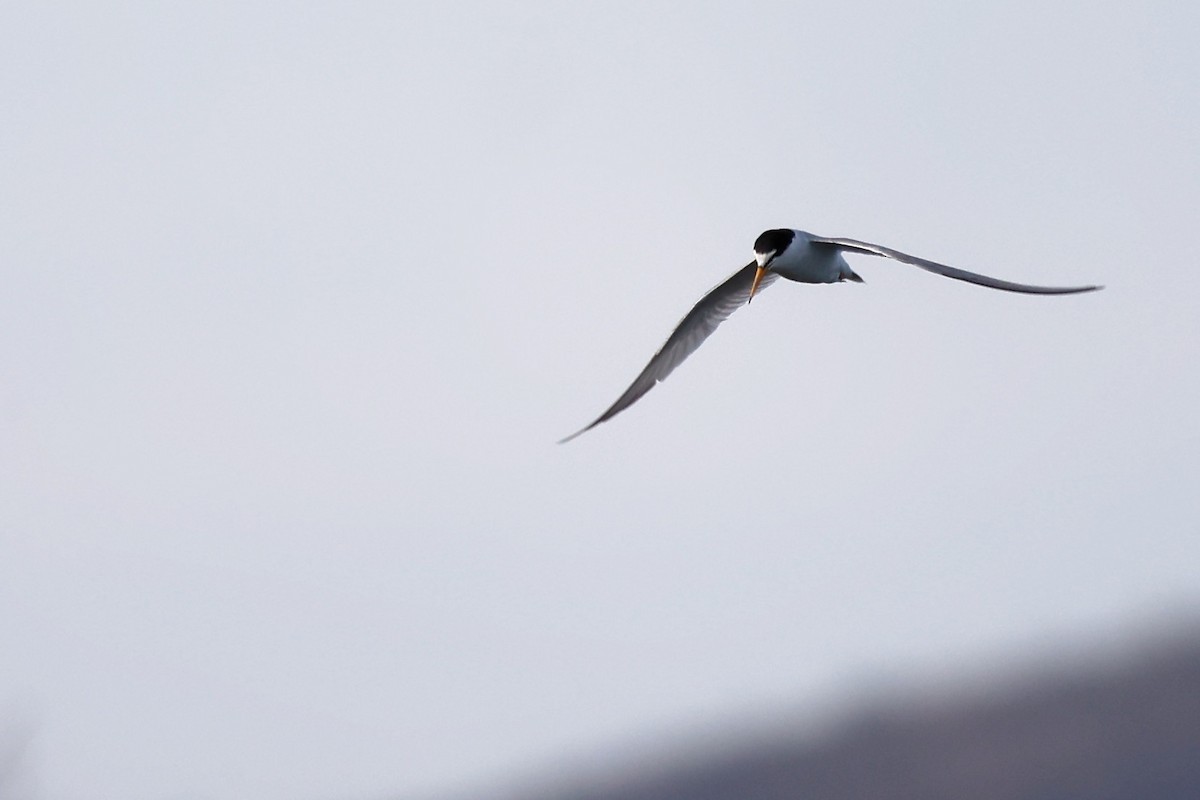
x=1128 y=729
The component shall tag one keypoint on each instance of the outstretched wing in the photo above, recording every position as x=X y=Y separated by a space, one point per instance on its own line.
x=700 y=322
x=855 y=246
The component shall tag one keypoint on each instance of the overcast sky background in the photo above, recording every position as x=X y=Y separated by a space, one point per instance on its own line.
x=297 y=298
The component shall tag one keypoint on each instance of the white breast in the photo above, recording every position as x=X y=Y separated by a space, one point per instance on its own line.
x=803 y=262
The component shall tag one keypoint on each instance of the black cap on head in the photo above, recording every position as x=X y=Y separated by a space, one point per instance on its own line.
x=775 y=240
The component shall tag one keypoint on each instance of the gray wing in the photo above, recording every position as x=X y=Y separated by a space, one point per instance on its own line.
x=700 y=322
x=855 y=246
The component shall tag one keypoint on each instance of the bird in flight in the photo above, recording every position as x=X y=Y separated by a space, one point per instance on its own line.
x=797 y=256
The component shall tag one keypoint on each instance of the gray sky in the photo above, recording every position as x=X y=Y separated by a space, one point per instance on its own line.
x=297 y=299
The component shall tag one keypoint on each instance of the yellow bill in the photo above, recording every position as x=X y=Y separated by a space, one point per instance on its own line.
x=758 y=276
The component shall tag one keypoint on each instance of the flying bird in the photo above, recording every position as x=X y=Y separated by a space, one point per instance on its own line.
x=797 y=256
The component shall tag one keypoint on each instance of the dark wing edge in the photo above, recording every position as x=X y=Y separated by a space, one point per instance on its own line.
x=866 y=248
x=699 y=323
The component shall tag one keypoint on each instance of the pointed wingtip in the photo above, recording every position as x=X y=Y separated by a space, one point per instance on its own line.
x=579 y=432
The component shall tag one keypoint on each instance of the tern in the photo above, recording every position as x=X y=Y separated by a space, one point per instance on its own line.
x=797 y=256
